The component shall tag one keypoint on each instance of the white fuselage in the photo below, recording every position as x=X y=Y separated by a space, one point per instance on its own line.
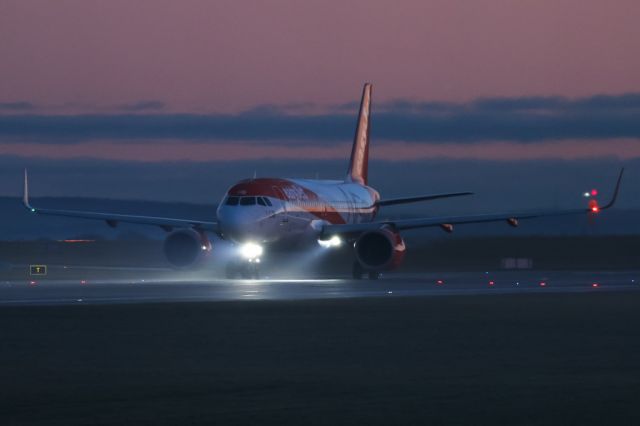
x=292 y=210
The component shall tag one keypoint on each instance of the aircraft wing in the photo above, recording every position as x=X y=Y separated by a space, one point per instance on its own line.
x=448 y=222
x=112 y=219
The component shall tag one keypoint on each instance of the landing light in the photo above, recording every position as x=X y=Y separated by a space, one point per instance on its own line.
x=251 y=250
x=334 y=241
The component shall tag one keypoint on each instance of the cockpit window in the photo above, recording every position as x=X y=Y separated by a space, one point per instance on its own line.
x=247 y=201
x=268 y=201
x=261 y=201
x=232 y=201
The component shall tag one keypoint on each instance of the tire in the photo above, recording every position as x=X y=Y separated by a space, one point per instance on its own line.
x=246 y=272
x=256 y=274
x=357 y=271
x=230 y=270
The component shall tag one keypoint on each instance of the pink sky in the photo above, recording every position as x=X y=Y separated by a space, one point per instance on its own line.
x=621 y=149
x=200 y=56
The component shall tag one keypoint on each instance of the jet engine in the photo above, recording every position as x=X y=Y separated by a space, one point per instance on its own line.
x=186 y=247
x=380 y=249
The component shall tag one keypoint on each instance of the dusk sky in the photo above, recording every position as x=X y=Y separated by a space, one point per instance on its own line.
x=161 y=86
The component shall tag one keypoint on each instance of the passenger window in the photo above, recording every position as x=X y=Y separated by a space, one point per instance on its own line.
x=268 y=201
x=247 y=201
x=261 y=201
x=232 y=201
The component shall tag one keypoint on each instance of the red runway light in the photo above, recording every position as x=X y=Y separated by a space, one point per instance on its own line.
x=33 y=283
x=543 y=284
x=83 y=282
x=595 y=285
x=439 y=282
x=491 y=283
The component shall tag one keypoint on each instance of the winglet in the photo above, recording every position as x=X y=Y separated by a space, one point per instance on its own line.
x=25 y=193
x=615 y=191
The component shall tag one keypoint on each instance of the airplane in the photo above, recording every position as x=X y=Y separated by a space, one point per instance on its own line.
x=259 y=212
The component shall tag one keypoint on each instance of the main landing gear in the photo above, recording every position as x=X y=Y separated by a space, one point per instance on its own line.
x=358 y=271
x=246 y=269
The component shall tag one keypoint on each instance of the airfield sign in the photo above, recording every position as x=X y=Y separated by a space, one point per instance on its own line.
x=38 y=270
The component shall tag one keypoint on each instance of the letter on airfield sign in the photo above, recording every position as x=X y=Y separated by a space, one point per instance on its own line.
x=38 y=269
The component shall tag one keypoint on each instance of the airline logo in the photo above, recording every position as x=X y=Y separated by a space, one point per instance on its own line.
x=295 y=193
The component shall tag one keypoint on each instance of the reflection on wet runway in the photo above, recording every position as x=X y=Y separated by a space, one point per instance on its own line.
x=39 y=292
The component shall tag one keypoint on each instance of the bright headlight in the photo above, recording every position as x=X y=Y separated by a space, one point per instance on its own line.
x=334 y=241
x=251 y=250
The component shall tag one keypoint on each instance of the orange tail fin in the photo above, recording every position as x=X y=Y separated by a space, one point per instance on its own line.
x=359 y=164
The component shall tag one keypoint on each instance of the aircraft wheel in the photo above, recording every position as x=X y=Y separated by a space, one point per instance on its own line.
x=230 y=270
x=256 y=273
x=357 y=271
x=246 y=272
x=374 y=275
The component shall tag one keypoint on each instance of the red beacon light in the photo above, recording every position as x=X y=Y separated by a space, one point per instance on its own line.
x=543 y=283
x=595 y=285
x=439 y=282
x=593 y=206
x=491 y=283
x=594 y=192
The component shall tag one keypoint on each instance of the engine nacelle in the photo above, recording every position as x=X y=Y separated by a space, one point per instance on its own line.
x=186 y=247
x=380 y=249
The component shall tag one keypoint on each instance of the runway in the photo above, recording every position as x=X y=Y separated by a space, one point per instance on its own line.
x=123 y=291
x=406 y=349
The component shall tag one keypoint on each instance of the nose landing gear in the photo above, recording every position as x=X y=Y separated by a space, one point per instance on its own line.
x=247 y=265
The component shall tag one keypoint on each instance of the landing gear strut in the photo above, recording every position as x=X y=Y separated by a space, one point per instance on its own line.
x=358 y=271
x=245 y=269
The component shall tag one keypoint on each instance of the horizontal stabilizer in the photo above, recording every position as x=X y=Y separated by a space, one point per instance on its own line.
x=407 y=200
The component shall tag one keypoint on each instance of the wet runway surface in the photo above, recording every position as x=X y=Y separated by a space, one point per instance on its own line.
x=406 y=349
x=50 y=292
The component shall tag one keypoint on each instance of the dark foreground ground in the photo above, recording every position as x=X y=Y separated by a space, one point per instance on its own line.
x=570 y=359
